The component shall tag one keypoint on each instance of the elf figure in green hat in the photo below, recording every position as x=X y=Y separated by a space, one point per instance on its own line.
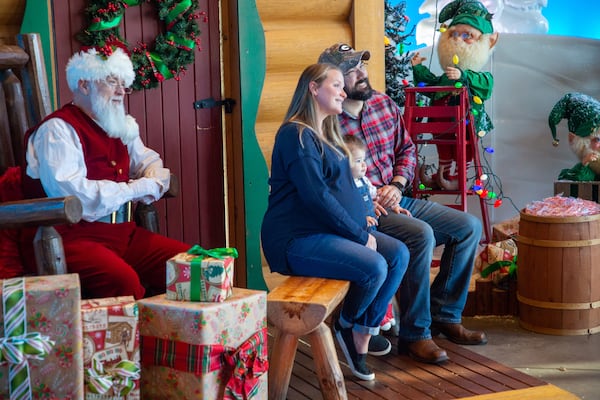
x=464 y=47
x=583 y=114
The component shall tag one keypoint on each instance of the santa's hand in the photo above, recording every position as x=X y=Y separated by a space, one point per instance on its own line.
x=453 y=73
x=417 y=59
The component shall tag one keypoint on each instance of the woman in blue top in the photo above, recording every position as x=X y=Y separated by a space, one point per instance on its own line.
x=315 y=224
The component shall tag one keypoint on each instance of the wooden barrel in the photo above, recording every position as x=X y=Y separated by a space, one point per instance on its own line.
x=558 y=284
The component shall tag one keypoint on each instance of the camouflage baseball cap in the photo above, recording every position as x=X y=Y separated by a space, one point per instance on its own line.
x=343 y=56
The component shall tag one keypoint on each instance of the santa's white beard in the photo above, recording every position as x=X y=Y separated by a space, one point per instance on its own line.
x=112 y=118
x=470 y=56
x=581 y=147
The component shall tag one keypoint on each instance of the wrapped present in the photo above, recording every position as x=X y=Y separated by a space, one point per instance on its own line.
x=41 y=353
x=506 y=229
x=205 y=350
x=201 y=275
x=111 y=343
x=497 y=259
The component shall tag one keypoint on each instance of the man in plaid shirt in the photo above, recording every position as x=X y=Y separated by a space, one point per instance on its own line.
x=391 y=159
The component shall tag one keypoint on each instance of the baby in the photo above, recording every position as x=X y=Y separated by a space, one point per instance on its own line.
x=358 y=166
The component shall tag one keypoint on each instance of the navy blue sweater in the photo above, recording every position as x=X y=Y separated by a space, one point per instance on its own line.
x=312 y=191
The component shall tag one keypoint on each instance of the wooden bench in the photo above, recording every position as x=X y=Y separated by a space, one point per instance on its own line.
x=299 y=307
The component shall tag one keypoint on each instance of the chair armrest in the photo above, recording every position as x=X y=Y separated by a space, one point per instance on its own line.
x=173 y=187
x=42 y=211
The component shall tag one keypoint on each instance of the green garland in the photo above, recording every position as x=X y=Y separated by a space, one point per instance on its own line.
x=172 y=51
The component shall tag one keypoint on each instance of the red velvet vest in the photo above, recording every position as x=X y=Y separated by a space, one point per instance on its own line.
x=105 y=157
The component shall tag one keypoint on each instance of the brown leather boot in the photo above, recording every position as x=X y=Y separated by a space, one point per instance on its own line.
x=425 y=351
x=458 y=334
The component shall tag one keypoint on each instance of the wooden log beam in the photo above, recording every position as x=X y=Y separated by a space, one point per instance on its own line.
x=45 y=211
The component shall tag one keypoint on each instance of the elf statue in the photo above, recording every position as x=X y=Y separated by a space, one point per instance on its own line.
x=583 y=114
x=464 y=47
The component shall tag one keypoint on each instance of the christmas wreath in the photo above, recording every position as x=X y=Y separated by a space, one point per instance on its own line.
x=172 y=50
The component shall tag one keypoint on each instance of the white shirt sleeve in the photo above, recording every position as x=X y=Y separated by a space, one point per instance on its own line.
x=55 y=156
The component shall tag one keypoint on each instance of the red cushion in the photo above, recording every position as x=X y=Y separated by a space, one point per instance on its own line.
x=11 y=264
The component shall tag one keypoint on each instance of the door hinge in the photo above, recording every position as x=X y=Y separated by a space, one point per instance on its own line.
x=210 y=103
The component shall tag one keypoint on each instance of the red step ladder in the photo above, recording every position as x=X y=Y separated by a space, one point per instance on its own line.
x=447 y=119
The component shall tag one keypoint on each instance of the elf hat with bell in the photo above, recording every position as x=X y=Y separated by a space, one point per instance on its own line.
x=468 y=12
x=582 y=112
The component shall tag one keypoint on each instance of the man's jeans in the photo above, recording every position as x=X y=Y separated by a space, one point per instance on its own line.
x=374 y=275
x=433 y=224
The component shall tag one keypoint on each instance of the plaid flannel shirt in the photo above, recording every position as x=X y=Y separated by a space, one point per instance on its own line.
x=390 y=149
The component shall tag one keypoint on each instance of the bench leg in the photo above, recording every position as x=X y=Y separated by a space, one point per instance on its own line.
x=327 y=365
x=281 y=363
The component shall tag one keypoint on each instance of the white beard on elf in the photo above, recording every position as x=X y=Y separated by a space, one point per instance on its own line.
x=587 y=149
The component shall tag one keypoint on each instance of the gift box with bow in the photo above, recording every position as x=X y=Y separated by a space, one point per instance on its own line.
x=204 y=350
x=201 y=275
x=111 y=348
x=41 y=352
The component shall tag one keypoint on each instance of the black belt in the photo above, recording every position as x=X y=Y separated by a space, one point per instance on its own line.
x=123 y=214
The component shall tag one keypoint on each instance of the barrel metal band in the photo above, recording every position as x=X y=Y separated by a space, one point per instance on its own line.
x=558 y=243
x=558 y=306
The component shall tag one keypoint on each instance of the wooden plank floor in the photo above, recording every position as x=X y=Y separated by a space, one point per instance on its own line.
x=467 y=374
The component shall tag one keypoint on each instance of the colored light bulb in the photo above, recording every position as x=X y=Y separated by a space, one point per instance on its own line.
x=483 y=177
x=458 y=85
x=455 y=59
x=477 y=100
x=481 y=134
x=489 y=150
x=421 y=84
x=492 y=195
x=421 y=186
x=404 y=82
x=497 y=203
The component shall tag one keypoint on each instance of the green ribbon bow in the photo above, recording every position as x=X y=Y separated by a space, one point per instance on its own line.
x=512 y=270
x=18 y=346
x=217 y=252
x=121 y=378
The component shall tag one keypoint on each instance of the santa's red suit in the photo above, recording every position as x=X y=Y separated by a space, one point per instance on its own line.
x=78 y=158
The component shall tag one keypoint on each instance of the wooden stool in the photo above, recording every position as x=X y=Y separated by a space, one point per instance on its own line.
x=298 y=307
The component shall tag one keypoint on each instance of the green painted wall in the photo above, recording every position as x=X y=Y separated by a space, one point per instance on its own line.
x=252 y=73
x=37 y=20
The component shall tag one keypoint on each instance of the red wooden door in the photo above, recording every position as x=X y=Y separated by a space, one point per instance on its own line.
x=190 y=141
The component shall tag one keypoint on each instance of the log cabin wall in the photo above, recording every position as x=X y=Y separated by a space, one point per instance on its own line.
x=296 y=32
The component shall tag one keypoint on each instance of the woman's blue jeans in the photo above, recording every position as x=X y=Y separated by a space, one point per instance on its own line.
x=433 y=224
x=374 y=275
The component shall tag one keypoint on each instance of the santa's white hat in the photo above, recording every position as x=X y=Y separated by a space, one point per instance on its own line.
x=91 y=65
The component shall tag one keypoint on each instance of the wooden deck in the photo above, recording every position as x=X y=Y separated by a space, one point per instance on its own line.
x=466 y=375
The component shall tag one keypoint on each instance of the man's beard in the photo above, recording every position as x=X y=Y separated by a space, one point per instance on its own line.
x=581 y=147
x=360 y=94
x=112 y=118
x=470 y=56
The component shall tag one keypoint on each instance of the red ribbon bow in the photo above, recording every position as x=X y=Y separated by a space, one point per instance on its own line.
x=246 y=365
